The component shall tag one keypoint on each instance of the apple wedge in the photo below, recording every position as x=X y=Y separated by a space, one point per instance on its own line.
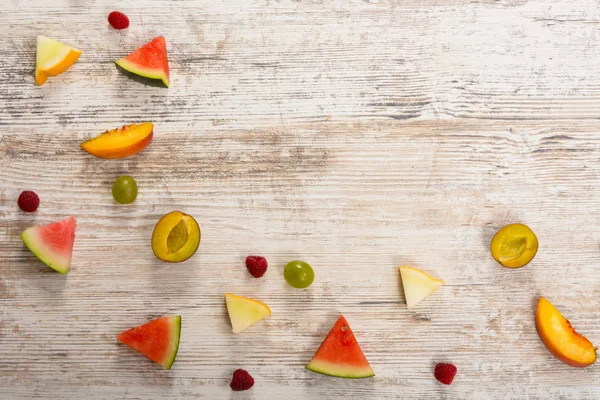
x=560 y=338
x=121 y=142
x=417 y=285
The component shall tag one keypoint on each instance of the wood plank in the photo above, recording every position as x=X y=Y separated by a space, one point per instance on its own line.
x=427 y=194
x=356 y=135
x=245 y=67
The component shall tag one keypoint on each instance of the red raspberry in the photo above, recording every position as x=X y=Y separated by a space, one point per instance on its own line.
x=445 y=373
x=241 y=380
x=118 y=20
x=257 y=265
x=28 y=201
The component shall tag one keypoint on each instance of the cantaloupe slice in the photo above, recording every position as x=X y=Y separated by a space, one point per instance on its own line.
x=53 y=58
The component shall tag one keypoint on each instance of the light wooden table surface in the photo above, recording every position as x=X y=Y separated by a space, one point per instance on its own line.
x=355 y=135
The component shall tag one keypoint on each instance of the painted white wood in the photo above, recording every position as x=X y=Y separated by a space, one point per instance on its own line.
x=356 y=135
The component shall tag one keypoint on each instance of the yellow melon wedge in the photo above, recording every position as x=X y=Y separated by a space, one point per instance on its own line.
x=417 y=285
x=53 y=58
x=245 y=312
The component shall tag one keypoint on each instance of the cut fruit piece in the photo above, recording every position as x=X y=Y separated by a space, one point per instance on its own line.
x=158 y=340
x=53 y=243
x=121 y=142
x=244 y=312
x=417 y=285
x=52 y=58
x=340 y=355
x=560 y=338
x=149 y=61
x=514 y=246
x=176 y=237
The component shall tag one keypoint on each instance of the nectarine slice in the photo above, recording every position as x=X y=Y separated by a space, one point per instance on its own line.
x=121 y=142
x=514 y=246
x=176 y=237
x=560 y=338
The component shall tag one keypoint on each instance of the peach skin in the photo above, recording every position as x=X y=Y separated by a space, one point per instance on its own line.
x=561 y=339
x=121 y=142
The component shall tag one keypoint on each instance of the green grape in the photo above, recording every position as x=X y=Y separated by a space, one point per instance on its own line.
x=298 y=274
x=124 y=190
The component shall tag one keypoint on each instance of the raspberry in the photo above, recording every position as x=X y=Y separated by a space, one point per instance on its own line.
x=118 y=20
x=445 y=373
x=241 y=380
x=28 y=201
x=257 y=265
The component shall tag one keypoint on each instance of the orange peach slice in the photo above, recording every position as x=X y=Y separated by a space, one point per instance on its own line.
x=121 y=142
x=176 y=237
x=514 y=246
x=560 y=338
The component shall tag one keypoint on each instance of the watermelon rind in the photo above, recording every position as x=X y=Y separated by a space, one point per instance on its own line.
x=176 y=329
x=340 y=354
x=45 y=254
x=340 y=371
x=149 y=61
x=151 y=73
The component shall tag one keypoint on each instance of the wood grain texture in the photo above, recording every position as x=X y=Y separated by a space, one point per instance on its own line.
x=356 y=135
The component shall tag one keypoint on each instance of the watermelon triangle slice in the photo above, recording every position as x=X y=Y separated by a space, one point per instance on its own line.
x=340 y=355
x=149 y=61
x=158 y=339
x=52 y=243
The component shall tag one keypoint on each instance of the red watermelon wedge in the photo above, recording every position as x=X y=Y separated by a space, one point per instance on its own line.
x=149 y=61
x=53 y=243
x=340 y=355
x=158 y=340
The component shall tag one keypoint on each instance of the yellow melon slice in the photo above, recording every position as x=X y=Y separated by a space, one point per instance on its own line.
x=417 y=285
x=53 y=58
x=245 y=312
